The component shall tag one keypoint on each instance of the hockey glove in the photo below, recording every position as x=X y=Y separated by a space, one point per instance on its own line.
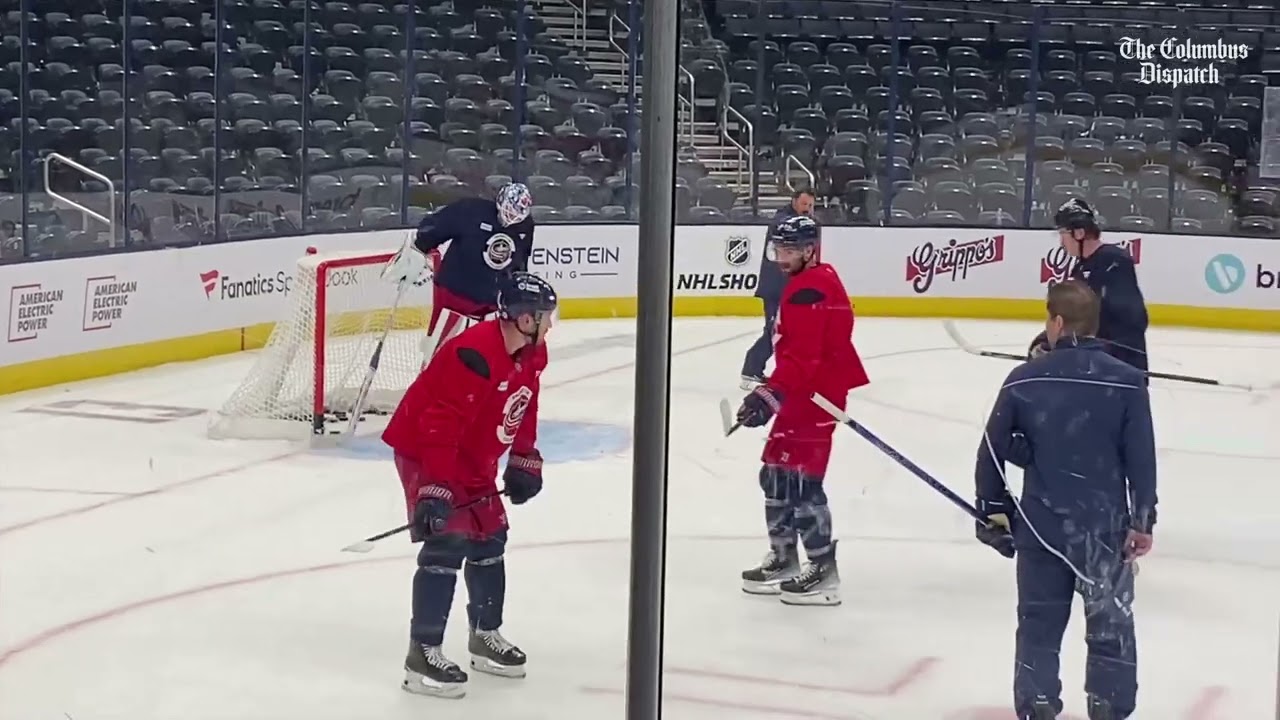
x=409 y=265
x=759 y=406
x=1039 y=347
x=997 y=532
x=431 y=512
x=523 y=476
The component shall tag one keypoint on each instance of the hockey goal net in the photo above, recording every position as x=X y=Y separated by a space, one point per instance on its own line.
x=306 y=380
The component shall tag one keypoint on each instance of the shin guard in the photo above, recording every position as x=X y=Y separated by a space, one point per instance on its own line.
x=433 y=586
x=486 y=577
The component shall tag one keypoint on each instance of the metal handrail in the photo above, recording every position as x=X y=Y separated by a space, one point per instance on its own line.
x=747 y=153
x=626 y=56
x=688 y=101
x=786 y=173
x=579 y=24
x=108 y=220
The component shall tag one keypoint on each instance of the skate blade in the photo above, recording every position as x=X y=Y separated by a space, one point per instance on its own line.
x=419 y=684
x=768 y=587
x=828 y=598
x=483 y=664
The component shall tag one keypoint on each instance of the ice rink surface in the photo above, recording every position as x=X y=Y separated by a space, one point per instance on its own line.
x=148 y=573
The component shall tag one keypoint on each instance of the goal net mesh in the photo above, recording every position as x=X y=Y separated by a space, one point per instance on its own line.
x=306 y=380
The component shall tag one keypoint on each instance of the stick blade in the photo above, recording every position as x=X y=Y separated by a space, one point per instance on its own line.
x=363 y=546
x=727 y=422
x=950 y=327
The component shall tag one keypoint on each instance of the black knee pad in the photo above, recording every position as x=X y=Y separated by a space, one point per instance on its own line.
x=488 y=551
x=778 y=482
x=441 y=553
x=812 y=491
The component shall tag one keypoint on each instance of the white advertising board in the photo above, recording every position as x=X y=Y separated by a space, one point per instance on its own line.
x=64 y=307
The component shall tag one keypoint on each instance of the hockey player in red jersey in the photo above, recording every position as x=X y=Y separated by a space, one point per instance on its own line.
x=813 y=352
x=476 y=398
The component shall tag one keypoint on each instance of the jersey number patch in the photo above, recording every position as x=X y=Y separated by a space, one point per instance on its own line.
x=513 y=414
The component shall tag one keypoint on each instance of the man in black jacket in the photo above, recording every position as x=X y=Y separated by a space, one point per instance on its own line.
x=1077 y=420
x=769 y=289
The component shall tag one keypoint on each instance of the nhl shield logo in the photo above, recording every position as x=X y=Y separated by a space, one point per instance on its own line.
x=737 y=250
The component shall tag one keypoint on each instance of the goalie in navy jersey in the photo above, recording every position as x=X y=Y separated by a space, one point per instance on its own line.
x=487 y=240
x=1110 y=272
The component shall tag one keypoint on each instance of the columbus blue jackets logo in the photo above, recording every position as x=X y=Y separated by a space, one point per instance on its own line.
x=737 y=250
x=513 y=414
x=499 y=250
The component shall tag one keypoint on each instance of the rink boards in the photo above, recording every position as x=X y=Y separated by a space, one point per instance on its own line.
x=87 y=317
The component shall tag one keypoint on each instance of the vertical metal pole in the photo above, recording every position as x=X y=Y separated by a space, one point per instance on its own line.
x=762 y=67
x=304 y=162
x=126 y=142
x=219 y=97
x=522 y=48
x=661 y=35
x=24 y=136
x=633 y=70
x=890 y=181
x=1029 y=175
x=410 y=86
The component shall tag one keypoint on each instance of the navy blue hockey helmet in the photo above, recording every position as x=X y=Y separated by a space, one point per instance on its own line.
x=1075 y=214
x=800 y=231
x=522 y=293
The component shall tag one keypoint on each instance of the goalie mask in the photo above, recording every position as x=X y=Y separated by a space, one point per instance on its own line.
x=514 y=204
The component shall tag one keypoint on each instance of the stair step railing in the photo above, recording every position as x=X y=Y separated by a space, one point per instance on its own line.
x=89 y=213
x=746 y=155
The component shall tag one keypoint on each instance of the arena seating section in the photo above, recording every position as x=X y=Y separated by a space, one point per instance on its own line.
x=266 y=125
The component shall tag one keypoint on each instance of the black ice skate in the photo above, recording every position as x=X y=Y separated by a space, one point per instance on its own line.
x=817 y=584
x=428 y=672
x=776 y=567
x=491 y=653
x=1100 y=709
x=1040 y=710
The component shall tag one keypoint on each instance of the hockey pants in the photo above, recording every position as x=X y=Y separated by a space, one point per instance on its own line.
x=439 y=560
x=1045 y=590
x=795 y=506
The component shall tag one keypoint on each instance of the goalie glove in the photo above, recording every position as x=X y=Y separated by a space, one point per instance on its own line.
x=408 y=265
x=997 y=532
x=759 y=406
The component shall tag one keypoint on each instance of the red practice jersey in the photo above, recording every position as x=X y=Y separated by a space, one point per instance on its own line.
x=473 y=401
x=812 y=352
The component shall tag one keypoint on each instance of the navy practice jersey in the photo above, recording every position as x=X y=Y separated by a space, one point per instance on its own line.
x=1111 y=272
x=1086 y=417
x=480 y=248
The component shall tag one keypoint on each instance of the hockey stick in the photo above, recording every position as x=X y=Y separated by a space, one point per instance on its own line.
x=367 y=544
x=727 y=421
x=358 y=407
x=887 y=449
x=968 y=347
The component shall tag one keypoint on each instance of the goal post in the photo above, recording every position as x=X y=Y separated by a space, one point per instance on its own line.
x=305 y=381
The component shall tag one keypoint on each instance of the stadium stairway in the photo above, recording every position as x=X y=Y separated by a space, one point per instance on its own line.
x=601 y=38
